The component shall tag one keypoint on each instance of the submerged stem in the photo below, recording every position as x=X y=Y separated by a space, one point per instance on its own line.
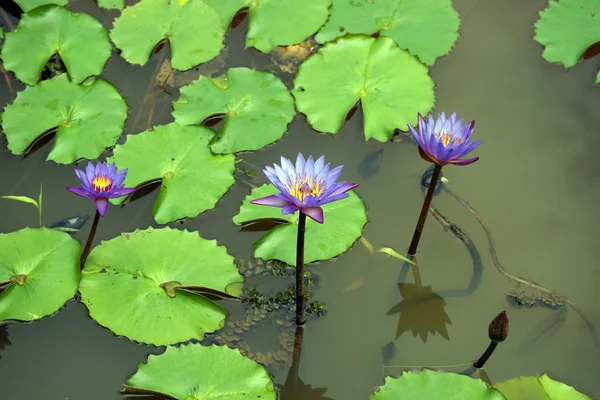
x=90 y=239
x=412 y=250
x=300 y=270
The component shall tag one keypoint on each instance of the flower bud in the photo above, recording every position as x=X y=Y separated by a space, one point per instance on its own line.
x=498 y=330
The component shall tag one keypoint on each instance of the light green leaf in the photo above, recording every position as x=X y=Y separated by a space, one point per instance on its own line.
x=28 y=5
x=192 y=28
x=343 y=224
x=257 y=105
x=393 y=253
x=538 y=388
x=426 y=28
x=197 y=372
x=140 y=285
x=22 y=199
x=88 y=117
x=276 y=22
x=110 y=4
x=80 y=40
x=193 y=178
x=435 y=385
x=391 y=85
x=41 y=267
x=567 y=28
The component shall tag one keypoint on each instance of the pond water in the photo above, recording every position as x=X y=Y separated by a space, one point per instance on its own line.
x=535 y=185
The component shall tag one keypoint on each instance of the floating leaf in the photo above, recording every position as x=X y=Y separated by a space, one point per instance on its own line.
x=426 y=28
x=138 y=285
x=256 y=104
x=344 y=222
x=391 y=85
x=192 y=27
x=80 y=40
x=538 y=388
x=41 y=269
x=28 y=5
x=194 y=371
x=118 y=4
x=435 y=385
x=566 y=29
x=393 y=253
x=193 y=178
x=88 y=118
x=275 y=22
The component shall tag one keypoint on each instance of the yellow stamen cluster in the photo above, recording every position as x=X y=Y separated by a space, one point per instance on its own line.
x=101 y=183
x=446 y=138
x=301 y=188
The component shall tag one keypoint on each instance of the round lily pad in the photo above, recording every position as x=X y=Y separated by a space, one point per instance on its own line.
x=193 y=178
x=435 y=385
x=538 y=388
x=87 y=118
x=256 y=104
x=80 y=40
x=39 y=270
x=110 y=4
x=28 y=5
x=275 y=22
x=566 y=29
x=192 y=28
x=391 y=85
x=151 y=285
x=426 y=28
x=193 y=372
x=344 y=222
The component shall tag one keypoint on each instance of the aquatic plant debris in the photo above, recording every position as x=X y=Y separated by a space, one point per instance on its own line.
x=305 y=187
x=426 y=28
x=275 y=22
x=144 y=285
x=428 y=384
x=192 y=28
x=192 y=178
x=567 y=29
x=28 y=5
x=100 y=183
x=39 y=272
x=390 y=84
x=87 y=118
x=256 y=105
x=345 y=222
x=194 y=371
x=80 y=40
x=538 y=387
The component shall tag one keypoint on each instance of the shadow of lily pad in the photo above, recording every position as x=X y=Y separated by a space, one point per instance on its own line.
x=39 y=272
x=194 y=372
x=147 y=285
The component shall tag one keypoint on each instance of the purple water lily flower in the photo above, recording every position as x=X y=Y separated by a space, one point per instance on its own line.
x=100 y=183
x=305 y=187
x=445 y=141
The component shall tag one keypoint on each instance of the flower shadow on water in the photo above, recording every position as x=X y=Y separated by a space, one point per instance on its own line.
x=4 y=340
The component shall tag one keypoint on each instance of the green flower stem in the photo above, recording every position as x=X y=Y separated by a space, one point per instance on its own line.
x=90 y=239
x=412 y=250
x=300 y=270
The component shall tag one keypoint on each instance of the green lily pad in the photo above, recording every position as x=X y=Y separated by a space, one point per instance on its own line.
x=112 y=4
x=28 y=5
x=435 y=385
x=426 y=28
x=391 y=85
x=87 y=118
x=538 y=388
x=256 y=104
x=192 y=28
x=193 y=178
x=275 y=22
x=80 y=40
x=145 y=285
x=193 y=371
x=41 y=269
x=566 y=29
x=343 y=225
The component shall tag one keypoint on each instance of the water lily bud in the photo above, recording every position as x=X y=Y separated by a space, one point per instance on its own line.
x=498 y=330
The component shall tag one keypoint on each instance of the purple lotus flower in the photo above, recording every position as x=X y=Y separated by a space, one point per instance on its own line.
x=101 y=183
x=445 y=141
x=306 y=187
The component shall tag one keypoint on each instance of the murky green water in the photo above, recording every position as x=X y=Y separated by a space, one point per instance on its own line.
x=535 y=185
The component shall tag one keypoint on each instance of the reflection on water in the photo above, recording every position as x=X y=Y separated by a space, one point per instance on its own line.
x=535 y=184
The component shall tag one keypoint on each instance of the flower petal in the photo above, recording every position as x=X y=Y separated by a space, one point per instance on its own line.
x=289 y=209
x=300 y=162
x=273 y=201
x=101 y=205
x=81 y=192
x=121 y=192
x=464 y=162
x=315 y=213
